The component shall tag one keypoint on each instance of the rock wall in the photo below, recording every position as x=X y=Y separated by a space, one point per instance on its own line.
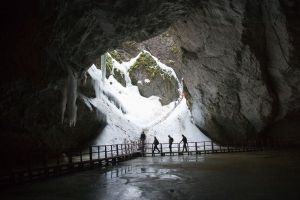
x=31 y=124
x=240 y=65
x=152 y=80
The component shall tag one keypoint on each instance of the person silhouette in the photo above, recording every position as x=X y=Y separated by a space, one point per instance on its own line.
x=155 y=142
x=184 y=140
x=143 y=138
x=171 y=140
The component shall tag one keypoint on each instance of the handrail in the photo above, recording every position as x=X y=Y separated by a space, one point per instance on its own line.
x=102 y=155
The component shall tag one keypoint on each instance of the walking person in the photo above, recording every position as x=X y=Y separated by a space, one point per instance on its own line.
x=156 y=142
x=184 y=140
x=143 y=139
x=171 y=140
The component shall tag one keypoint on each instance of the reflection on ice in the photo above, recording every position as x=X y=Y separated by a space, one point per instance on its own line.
x=132 y=192
x=128 y=178
x=169 y=177
x=142 y=170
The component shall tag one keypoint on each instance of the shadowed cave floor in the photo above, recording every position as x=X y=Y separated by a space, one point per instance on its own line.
x=259 y=175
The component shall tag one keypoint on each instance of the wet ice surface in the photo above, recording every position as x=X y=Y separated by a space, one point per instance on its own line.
x=269 y=175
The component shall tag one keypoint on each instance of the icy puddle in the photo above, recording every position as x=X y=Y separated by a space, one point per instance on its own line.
x=268 y=175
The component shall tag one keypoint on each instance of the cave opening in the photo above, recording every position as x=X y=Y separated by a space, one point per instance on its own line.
x=139 y=94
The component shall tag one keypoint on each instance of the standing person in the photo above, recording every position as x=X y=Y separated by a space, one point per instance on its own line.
x=171 y=140
x=143 y=138
x=156 y=142
x=184 y=140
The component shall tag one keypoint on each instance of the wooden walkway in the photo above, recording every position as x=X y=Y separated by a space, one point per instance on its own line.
x=106 y=155
x=95 y=157
x=208 y=147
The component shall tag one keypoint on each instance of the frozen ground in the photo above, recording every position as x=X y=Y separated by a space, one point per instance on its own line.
x=259 y=175
x=128 y=113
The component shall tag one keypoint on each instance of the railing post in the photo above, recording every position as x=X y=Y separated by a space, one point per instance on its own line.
x=80 y=154
x=105 y=151
x=161 y=149
x=248 y=145
x=212 y=147
x=91 y=153
x=98 y=148
x=57 y=163
x=152 y=150
x=91 y=156
x=196 y=148
x=178 y=148
x=117 y=147
x=255 y=145
x=70 y=158
x=111 y=151
x=125 y=149
x=204 y=148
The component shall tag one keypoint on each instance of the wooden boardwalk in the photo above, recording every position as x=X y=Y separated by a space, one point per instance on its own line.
x=106 y=155
x=95 y=157
x=208 y=147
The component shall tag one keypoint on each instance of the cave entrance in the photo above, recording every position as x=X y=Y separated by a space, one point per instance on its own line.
x=140 y=94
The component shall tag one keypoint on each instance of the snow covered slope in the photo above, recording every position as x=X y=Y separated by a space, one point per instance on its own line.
x=128 y=113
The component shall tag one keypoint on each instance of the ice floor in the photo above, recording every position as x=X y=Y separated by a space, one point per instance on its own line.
x=260 y=175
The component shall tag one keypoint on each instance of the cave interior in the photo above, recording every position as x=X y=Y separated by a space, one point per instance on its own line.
x=236 y=62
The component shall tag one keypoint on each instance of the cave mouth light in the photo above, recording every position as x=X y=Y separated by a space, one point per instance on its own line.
x=139 y=95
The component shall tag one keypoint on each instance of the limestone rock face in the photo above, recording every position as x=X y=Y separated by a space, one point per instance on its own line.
x=152 y=80
x=31 y=123
x=240 y=65
x=163 y=46
x=86 y=85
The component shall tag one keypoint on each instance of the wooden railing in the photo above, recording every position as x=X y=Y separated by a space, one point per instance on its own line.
x=204 y=147
x=71 y=161
x=105 y=155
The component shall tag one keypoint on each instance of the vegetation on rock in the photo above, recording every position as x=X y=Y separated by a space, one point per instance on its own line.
x=146 y=63
x=109 y=66
x=116 y=55
x=119 y=76
x=160 y=82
